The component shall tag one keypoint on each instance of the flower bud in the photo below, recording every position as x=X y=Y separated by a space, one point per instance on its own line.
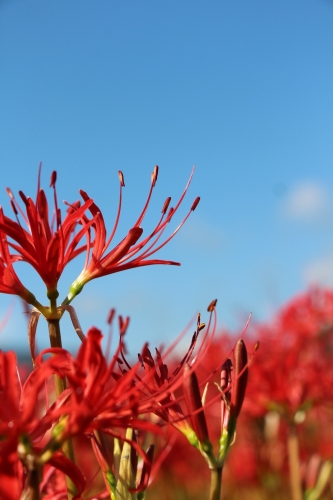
x=240 y=378
x=194 y=405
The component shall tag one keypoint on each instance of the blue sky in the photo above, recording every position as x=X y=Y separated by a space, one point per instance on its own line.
x=243 y=90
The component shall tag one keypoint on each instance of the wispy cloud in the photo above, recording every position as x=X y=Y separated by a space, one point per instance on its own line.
x=320 y=271
x=308 y=201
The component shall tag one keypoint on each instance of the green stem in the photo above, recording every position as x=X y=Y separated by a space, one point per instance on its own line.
x=60 y=386
x=215 y=483
x=55 y=341
x=31 y=492
x=294 y=464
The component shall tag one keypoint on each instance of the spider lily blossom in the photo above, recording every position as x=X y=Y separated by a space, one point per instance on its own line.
x=174 y=395
x=298 y=342
x=96 y=398
x=159 y=385
x=23 y=429
x=48 y=243
x=130 y=252
x=9 y=281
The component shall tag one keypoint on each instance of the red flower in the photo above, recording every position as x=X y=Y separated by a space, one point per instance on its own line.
x=48 y=243
x=97 y=398
x=9 y=281
x=174 y=395
x=22 y=429
x=159 y=385
x=129 y=253
x=293 y=370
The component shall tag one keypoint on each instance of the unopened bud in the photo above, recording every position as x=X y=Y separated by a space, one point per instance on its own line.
x=226 y=374
x=241 y=375
x=225 y=388
x=194 y=405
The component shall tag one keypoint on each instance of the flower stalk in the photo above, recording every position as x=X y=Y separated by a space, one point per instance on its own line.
x=215 y=483
x=32 y=491
x=294 y=464
x=60 y=386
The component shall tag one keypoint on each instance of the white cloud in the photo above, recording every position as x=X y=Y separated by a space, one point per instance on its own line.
x=307 y=201
x=320 y=271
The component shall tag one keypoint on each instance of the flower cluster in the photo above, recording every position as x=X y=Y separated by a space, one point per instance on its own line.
x=49 y=243
x=284 y=442
x=101 y=399
x=298 y=343
x=113 y=405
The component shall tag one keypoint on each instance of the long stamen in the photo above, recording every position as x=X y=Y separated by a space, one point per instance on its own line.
x=122 y=184
x=57 y=210
x=16 y=207
x=158 y=229
x=173 y=211
x=152 y=185
x=38 y=178
x=146 y=253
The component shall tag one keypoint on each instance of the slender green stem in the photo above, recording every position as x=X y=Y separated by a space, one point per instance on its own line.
x=215 y=483
x=60 y=386
x=55 y=341
x=294 y=464
x=31 y=492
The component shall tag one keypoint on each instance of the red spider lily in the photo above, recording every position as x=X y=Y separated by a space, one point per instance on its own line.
x=96 y=399
x=22 y=430
x=9 y=281
x=159 y=388
x=175 y=397
x=130 y=252
x=294 y=367
x=182 y=464
x=48 y=243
